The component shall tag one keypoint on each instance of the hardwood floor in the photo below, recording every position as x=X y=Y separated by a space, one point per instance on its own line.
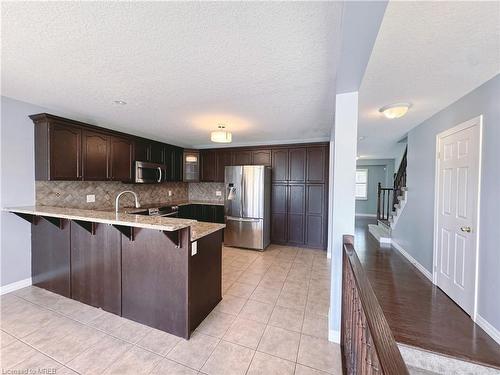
x=418 y=312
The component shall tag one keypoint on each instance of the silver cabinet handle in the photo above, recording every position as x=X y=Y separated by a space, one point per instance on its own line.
x=466 y=229
x=159 y=178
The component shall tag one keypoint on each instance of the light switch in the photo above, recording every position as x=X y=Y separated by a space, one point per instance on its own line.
x=170 y=193
x=90 y=198
x=218 y=193
x=194 y=248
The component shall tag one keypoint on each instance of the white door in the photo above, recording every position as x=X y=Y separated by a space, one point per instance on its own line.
x=457 y=212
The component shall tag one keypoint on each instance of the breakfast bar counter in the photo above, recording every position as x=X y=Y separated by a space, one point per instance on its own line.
x=161 y=272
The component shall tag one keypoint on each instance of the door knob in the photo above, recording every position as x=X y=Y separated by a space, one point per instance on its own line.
x=466 y=229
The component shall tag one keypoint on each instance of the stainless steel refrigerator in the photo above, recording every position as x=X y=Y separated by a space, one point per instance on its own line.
x=247 y=205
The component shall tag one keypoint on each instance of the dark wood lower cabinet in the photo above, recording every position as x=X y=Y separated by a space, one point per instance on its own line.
x=96 y=267
x=50 y=256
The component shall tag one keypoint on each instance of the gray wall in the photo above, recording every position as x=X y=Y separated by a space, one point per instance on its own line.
x=379 y=170
x=18 y=188
x=414 y=231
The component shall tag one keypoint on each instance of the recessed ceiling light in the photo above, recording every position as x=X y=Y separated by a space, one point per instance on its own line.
x=395 y=110
x=221 y=135
x=119 y=102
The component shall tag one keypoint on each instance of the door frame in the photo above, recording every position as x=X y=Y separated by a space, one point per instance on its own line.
x=476 y=121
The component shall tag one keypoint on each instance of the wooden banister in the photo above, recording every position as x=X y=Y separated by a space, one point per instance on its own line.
x=368 y=345
x=385 y=198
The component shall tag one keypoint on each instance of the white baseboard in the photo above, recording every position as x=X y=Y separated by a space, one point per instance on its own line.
x=15 y=286
x=366 y=215
x=412 y=260
x=334 y=336
x=488 y=328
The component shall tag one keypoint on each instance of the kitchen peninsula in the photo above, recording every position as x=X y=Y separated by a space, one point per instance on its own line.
x=161 y=272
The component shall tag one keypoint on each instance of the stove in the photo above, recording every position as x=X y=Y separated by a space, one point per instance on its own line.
x=164 y=211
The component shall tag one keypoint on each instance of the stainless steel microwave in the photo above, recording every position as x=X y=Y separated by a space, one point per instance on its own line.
x=150 y=173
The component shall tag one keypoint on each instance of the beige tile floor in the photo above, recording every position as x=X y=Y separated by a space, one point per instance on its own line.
x=272 y=320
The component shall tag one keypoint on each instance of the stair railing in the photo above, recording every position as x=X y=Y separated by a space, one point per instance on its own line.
x=385 y=202
x=368 y=346
x=400 y=177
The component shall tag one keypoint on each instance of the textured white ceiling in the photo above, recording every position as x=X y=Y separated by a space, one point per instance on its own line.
x=265 y=69
x=430 y=54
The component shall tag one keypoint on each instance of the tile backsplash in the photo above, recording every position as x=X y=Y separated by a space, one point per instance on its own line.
x=206 y=191
x=74 y=193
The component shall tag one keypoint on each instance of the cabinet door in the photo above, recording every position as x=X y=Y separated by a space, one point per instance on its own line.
x=121 y=159
x=65 y=152
x=261 y=157
x=223 y=160
x=50 y=256
x=208 y=166
x=242 y=157
x=280 y=165
x=191 y=166
x=297 y=160
x=176 y=164
x=157 y=153
x=316 y=215
x=296 y=211
x=279 y=197
x=316 y=164
x=95 y=156
x=141 y=150
x=96 y=267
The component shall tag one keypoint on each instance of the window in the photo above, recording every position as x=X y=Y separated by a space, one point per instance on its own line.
x=362 y=184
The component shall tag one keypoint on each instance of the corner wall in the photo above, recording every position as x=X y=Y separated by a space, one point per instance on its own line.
x=415 y=228
x=18 y=188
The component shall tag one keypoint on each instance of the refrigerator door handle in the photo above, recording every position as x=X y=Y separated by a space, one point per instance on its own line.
x=231 y=218
x=242 y=195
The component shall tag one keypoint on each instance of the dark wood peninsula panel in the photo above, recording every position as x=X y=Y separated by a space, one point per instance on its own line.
x=71 y=150
x=151 y=276
x=299 y=201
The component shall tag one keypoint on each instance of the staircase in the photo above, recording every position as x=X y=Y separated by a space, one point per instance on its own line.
x=390 y=204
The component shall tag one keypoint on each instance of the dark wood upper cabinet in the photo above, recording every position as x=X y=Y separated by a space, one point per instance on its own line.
x=175 y=164
x=297 y=164
x=141 y=150
x=96 y=147
x=191 y=166
x=224 y=159
x=157 y=153
x=261 y=157
x=65 y=153
x=316 y=164
x=280 y=165
x=242 y=157
x=208 y=159
x=121 y=159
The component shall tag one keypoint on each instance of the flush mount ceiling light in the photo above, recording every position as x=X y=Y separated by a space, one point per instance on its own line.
x=119 y=102
x=395 y=110
x=221 y=135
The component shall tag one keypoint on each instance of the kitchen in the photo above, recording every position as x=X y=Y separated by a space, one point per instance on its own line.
x=193 y=198
x=191 y=280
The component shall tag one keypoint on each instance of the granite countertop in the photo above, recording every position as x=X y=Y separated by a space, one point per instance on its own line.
x=198 y=229
x=202 y=229
x=171 y=203
x=106 y=217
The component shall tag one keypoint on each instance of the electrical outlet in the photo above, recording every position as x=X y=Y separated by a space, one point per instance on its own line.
x=170 y=193
x=90 y=198
x=218 y=193
x=194 y=248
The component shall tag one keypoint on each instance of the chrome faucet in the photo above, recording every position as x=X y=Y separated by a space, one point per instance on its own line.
x=117 y=201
